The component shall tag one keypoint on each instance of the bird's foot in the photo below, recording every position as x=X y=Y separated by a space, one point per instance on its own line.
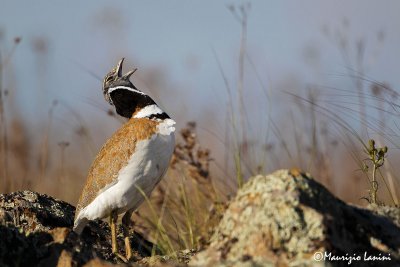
x=128 y=248
x=124 y=259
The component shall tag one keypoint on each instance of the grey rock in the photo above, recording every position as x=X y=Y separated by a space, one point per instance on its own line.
x=286 y=217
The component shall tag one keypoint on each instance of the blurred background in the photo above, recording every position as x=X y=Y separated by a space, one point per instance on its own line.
x=268 y=85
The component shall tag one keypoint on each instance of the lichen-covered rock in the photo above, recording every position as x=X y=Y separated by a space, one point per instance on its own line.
x=280 y=219
x=180 y=259
x=32 y=211
x=392 y=213
x=286 y=217
x=36 y=230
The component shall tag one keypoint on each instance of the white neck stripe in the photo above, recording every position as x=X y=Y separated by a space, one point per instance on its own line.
x=126 y=88
x=147 y=111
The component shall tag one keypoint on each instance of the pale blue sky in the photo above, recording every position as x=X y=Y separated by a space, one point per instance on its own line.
x=292 y=44
x=180 y=37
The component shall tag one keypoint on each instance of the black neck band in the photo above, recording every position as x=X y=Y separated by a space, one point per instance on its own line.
x=160 y=116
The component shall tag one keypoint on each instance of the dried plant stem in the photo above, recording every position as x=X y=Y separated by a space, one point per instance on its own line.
x=392 y=187
x=360 y=81
x=388 y=188
x=238 y=162
x=44 y=155
x=3 y=127
x=377 y=158
x=240 y=86
x=166 y=244
x=374 y=185
x=242 y=17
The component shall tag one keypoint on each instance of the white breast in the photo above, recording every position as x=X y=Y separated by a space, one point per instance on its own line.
x=145 y=168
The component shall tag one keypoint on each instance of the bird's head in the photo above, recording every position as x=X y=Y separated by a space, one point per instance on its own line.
x=120 y=92
x=115 y=80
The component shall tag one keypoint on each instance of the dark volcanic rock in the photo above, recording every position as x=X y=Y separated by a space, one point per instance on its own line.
x=36 y=230
x=286 y=217
x=35 y=212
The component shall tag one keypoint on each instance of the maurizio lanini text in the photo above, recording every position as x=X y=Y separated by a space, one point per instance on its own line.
x=350 y=258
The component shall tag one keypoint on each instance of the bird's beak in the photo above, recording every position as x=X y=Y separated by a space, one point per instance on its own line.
x=118 y=69
x=127 y=75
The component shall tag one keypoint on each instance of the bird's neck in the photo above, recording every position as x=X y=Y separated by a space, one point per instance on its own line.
x=151 y=111
x=132 y=103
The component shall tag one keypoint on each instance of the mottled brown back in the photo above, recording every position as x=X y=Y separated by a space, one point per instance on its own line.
x=113 y=156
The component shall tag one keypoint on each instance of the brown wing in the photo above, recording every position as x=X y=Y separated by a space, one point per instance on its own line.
x=113 y=156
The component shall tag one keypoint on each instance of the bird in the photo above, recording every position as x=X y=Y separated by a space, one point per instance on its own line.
x=131 y=162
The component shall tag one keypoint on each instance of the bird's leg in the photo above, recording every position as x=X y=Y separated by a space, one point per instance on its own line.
x=113 y=225
x=113 y=222
x=126 y=221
